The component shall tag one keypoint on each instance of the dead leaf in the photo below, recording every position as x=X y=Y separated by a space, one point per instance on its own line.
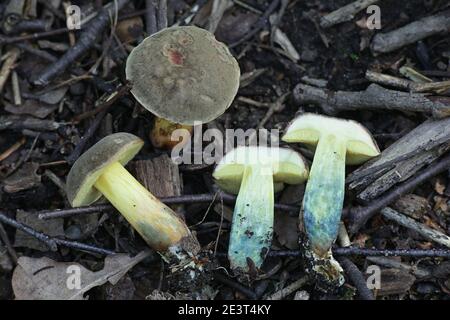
x=34 y=108
x=46 y=279
x=23 y=179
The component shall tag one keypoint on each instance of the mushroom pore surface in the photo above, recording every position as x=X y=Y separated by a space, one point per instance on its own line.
x=183 y=74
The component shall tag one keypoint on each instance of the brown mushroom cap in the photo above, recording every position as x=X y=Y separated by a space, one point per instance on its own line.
x=183 y=74
x=118 y=147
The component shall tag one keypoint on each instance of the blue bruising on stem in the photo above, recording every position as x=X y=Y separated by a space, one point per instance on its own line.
x=252 y=226
x=324 y=194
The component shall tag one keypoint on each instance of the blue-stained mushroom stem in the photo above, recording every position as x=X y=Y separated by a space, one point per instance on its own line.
x=324 y=194
x=255 y=173
x=252 y=228
x=338 y=142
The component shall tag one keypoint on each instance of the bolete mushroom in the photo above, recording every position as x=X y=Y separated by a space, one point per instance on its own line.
x=100 y=171
x=337 y=142
x=183 y=74
x=254 y=173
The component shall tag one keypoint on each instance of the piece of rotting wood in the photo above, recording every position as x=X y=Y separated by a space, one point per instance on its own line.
x=425 y=231
x=413 y=32
x=345 y=13
x=15 y=122
x=159 y=175
x=374 y=98
x=401 y=160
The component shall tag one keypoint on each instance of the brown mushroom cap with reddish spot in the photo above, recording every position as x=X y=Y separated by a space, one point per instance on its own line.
x=183 y=74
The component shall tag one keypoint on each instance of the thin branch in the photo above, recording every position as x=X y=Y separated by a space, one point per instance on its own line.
x=360 y=215
x=184 y=199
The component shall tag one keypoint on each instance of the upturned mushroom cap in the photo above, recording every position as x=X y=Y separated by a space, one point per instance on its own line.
x=286 y=166
x=308 y=128
x=183 y=74
x=118 y=147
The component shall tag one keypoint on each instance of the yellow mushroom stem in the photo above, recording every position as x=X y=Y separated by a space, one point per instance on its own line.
x=159 y=225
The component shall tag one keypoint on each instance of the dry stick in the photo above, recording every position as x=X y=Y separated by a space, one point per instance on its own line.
x=8 y=66
x=4 y=236
x=366 y=252
x=413 y=32
x=196 y=198
x=356 y=278
x=34 y=36
x=16 y=122
x=84 y=43
x=404 y=84
x=236 y=285
x=360 y=215
x=150 y=17
x=423 y=230
x=261 y=23
x=374 y=97
x=161 y=14
x=121 y=91
x=51 y=242
x=294 y=286
x=345 y=13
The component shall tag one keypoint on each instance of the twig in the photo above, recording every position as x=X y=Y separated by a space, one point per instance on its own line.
x=51 y=242
x=121 y=91
x=294 y=286
x=4 y=236
x=356 y=278
x=8 y=66
x=101 y=112
x=16 y=122
x=354 y=251
x=261 y=23
x=374 y=97
x=85 y=42
x=404 y=84
x=34 y=36
x=360 y=215
x=420 y=228
x=161 y=14
x=196 y=198
x=5 y=154
x=413 y=32
x=150 y=17
x=236 y=285
x=345 y=13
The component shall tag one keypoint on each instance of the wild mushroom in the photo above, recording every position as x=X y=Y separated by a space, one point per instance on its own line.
x=338 y=142
x=100 y=171
x=255 y=173
x=183 y=74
